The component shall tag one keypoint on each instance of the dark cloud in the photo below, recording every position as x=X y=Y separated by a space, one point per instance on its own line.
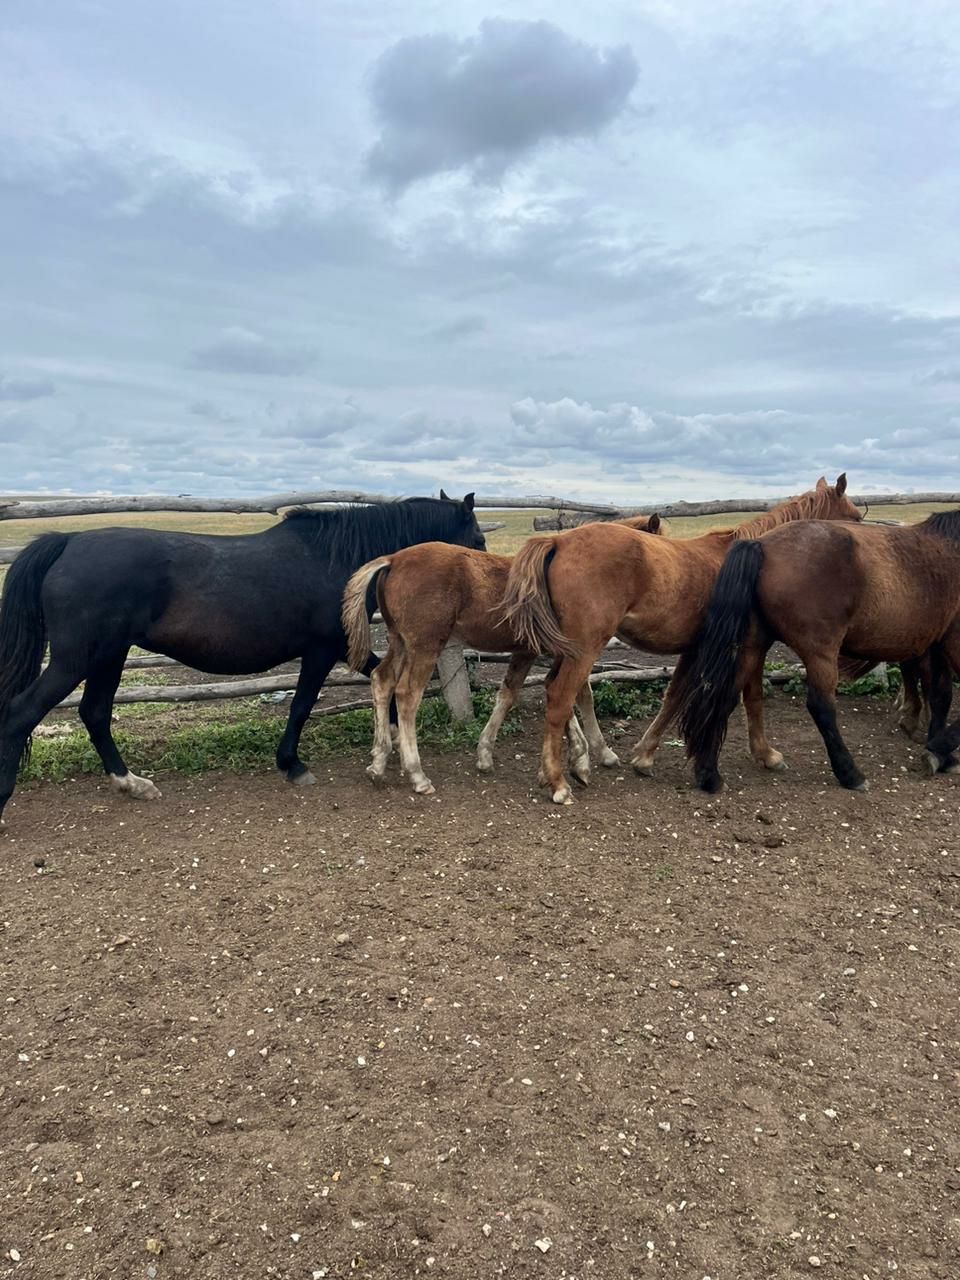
x=483 y=102
x=25 y=388
x=239 y=350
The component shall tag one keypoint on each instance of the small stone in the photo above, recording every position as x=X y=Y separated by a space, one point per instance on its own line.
x=39 y=863
x=487 y=1229
x=342 y=939
x=214 y=1117
x=153 y=1245
x=78 y=1178
x=14 y=1255
x=544 y=1245
x=151 y=1272
x=814 y=1260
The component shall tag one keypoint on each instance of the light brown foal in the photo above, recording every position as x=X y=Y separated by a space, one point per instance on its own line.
x=429 y=594
x=651 y=592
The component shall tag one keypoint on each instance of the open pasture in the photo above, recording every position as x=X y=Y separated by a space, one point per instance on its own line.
x=353 y=1032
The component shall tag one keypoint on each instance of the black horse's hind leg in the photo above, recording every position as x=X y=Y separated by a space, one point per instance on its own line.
x=822 y=677
x=25 y=712
x=314 y=669
x=96 y=707
x=367 y=670
x=937 y=680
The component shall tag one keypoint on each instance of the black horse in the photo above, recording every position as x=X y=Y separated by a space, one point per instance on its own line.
x=231 y=605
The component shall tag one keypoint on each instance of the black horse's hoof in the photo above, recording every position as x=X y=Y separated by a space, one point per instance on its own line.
x=710 y=781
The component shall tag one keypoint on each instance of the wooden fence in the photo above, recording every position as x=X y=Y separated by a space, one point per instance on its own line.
x=453 y=675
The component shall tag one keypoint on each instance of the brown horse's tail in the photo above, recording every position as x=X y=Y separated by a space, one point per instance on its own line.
x=707 y=679
x=358 y=605
x=526 y=606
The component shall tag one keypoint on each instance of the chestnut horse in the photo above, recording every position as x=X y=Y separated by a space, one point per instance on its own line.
x=651 y=592
x=428 y=595
x=871 y=592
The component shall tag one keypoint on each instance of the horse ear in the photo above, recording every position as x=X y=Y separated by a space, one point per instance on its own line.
x=821 y=483
x=653 y=524
x=841 y=485
x=444 y=496
x=468 y=502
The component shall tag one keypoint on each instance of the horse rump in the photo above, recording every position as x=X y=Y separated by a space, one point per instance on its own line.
x=526 y=606
x=707 y=691
x=359 y=602
x=23 y=631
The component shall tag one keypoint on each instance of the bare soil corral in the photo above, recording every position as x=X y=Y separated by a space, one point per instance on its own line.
x=251 y=1031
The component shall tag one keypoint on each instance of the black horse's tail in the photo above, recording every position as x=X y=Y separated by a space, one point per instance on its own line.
x=708 y=679
x=23 y=631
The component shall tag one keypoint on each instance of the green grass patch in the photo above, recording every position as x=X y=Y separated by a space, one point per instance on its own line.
x=250 y=742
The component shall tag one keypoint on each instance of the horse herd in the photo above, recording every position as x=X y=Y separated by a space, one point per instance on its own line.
x=842 y=594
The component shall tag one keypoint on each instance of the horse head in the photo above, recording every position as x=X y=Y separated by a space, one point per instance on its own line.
x=834 y=503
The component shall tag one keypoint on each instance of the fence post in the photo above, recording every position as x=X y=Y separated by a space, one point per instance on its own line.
x=454 y=681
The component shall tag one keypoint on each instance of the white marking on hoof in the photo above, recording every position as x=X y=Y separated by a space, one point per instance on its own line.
x=861 y=786
x=132 y=785
x=776 y=763
x=425 y=788
x=933 y=762
x=484 y=761
x=304 y=780
x=563 y=796
x=609 y=758
x=375 y=772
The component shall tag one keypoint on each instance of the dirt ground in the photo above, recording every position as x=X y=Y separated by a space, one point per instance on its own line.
x=250 y=1031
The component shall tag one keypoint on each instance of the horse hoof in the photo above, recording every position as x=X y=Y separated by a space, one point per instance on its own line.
x=643 y=768
x=860 y=786
x=132 y=785
x=711 y=783
x=580 y=772
x=609 y=759
x=375 y=772
x=484 y=764
x=562 y=796
x=934 y=763
x=305 y=779
x=776 y=766
x=425 y=788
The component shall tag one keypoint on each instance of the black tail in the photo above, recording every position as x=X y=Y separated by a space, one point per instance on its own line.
x=23 y=632
x=708 y=684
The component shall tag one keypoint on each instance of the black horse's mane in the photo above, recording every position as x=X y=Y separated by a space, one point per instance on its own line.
x=944 y=524
x=360 y=533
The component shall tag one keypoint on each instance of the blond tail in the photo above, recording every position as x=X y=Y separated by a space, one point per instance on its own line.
x=353 y=614
x=526 y=607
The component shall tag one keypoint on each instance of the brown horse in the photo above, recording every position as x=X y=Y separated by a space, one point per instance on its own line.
x=870 y=592
x=427 y=599
x=650 y=592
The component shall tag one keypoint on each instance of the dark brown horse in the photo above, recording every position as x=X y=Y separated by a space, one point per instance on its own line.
x=873 y=593
x=431 y=594
x=568 y=593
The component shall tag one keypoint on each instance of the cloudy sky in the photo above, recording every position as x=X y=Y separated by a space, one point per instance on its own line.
x=641 y=249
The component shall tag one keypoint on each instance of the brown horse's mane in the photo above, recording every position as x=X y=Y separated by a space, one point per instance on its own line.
x=813 y=505
x=943 y=524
